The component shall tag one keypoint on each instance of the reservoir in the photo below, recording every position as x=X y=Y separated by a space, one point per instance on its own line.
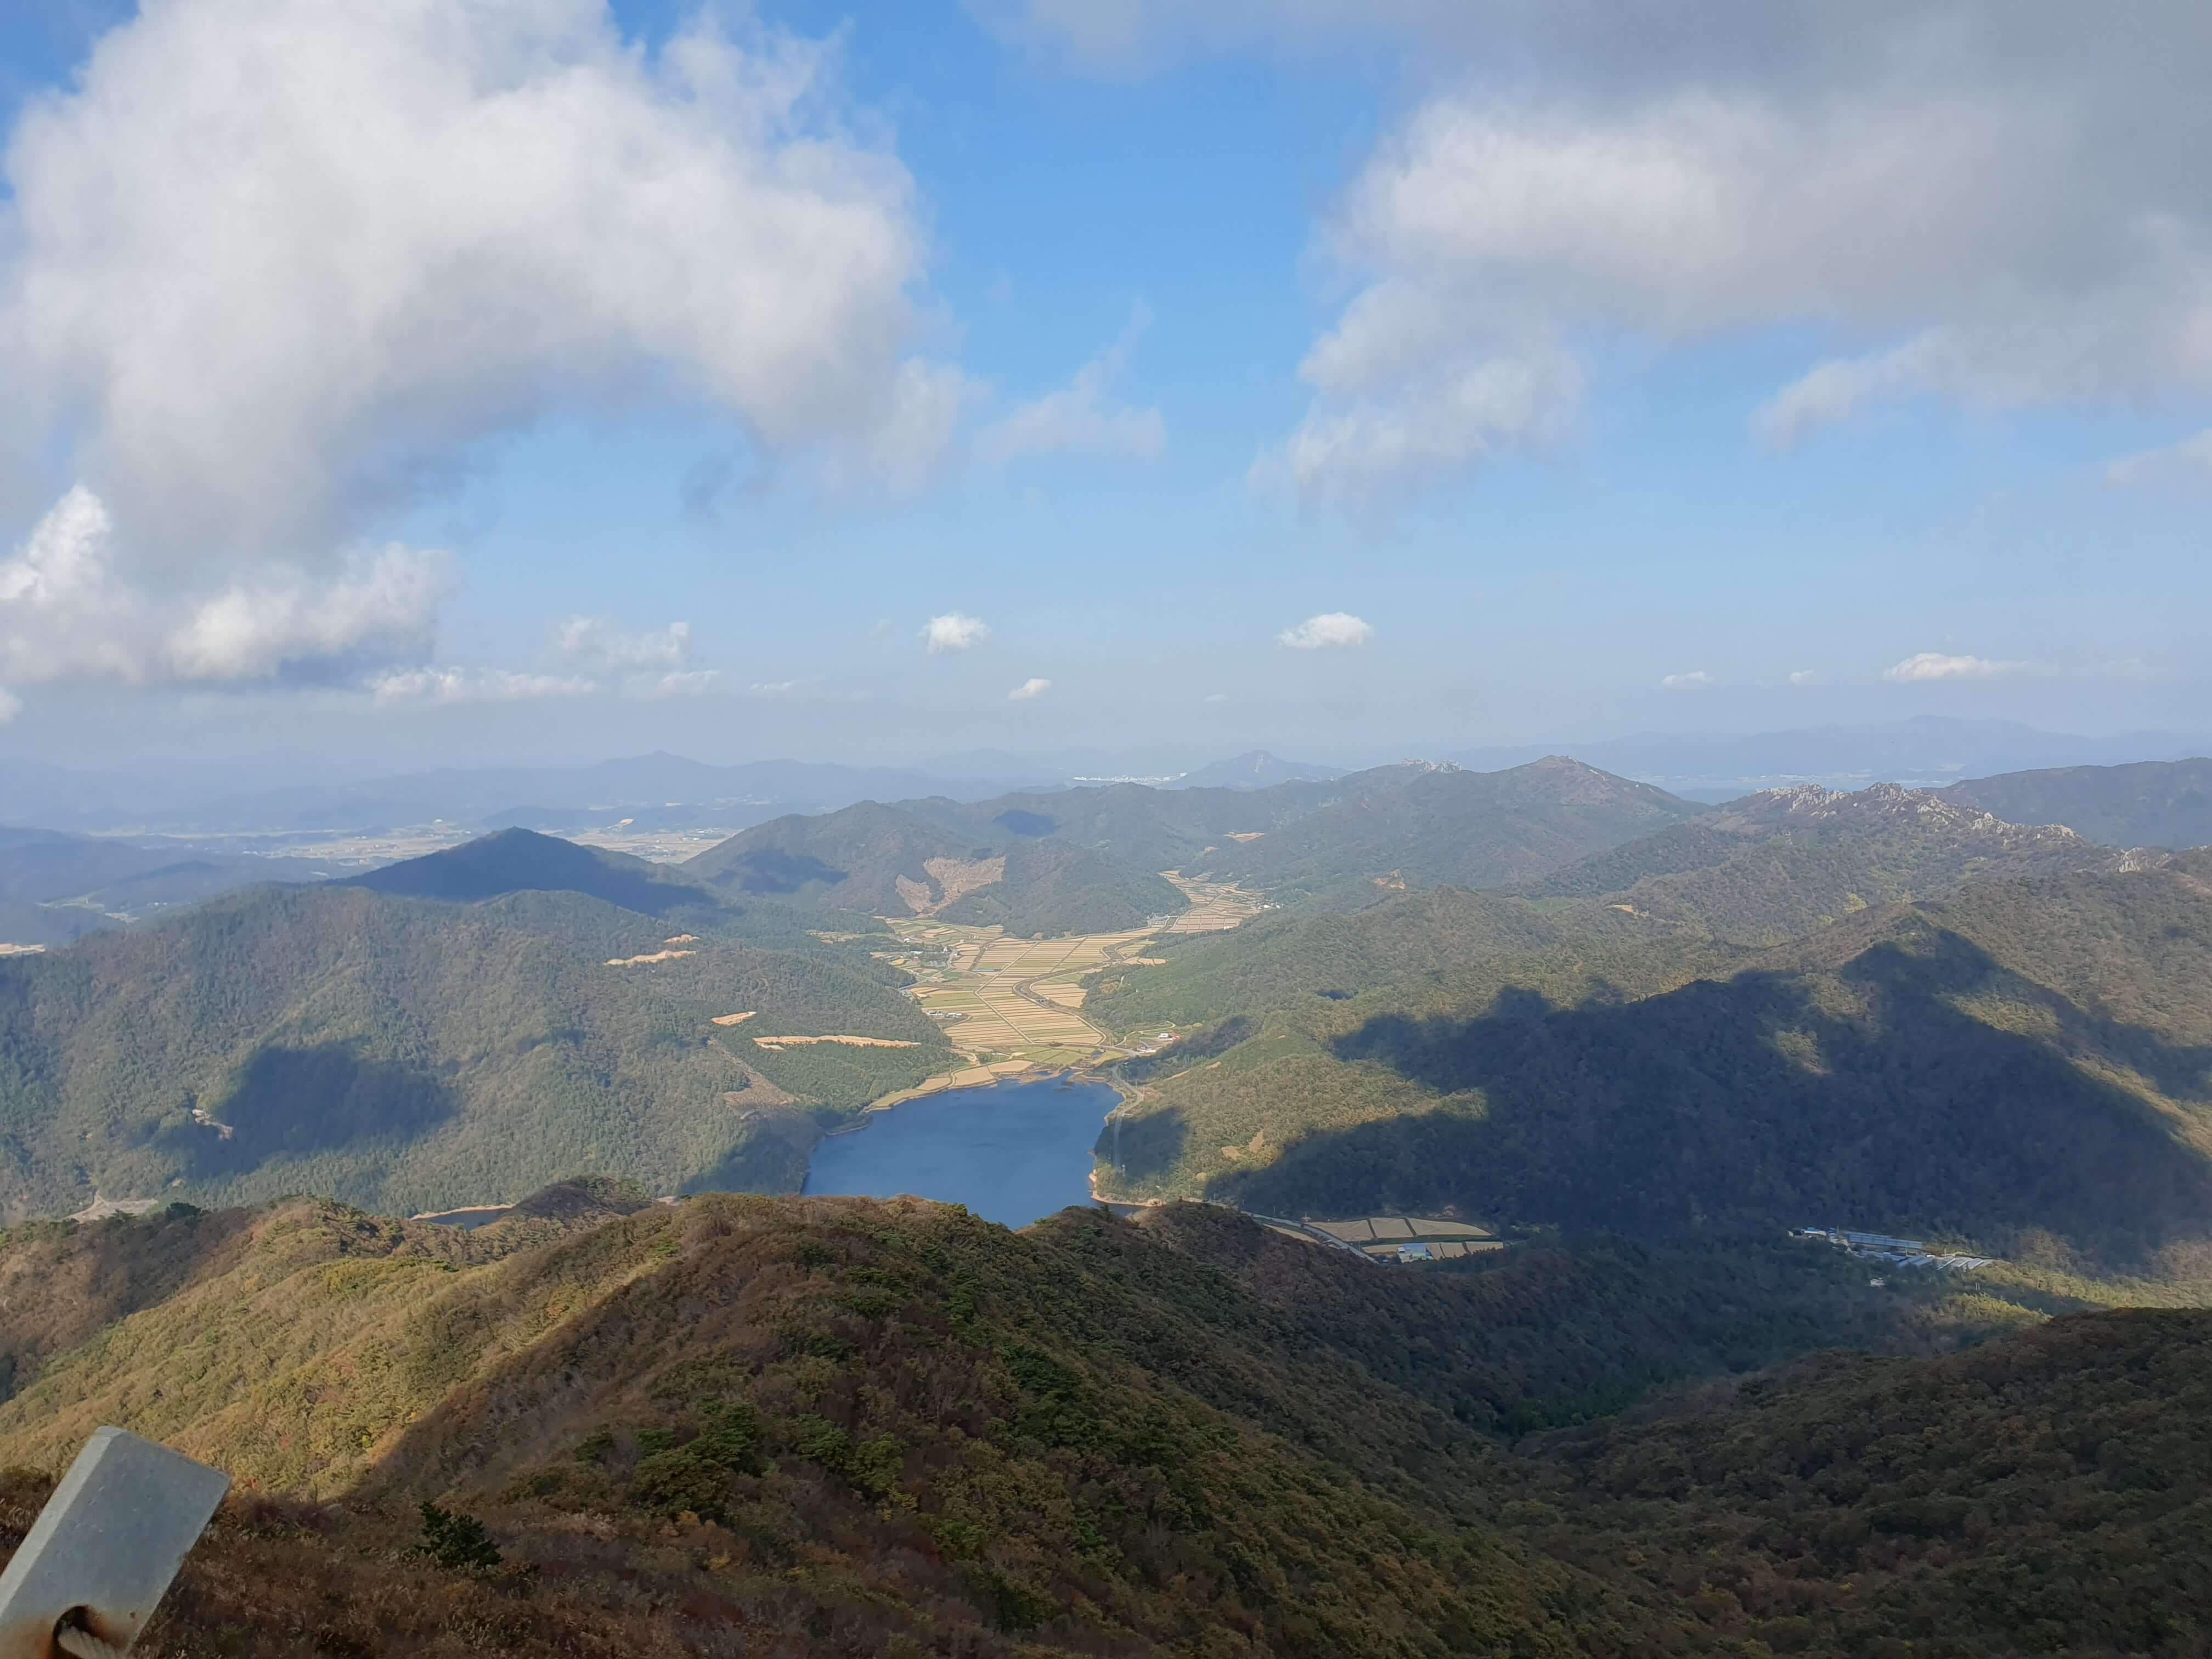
x=1012 y=1152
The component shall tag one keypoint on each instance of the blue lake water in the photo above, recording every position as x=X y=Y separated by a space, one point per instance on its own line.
x=1012 y=1152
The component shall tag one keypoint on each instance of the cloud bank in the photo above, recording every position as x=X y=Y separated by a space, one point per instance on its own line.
x=1989 y=202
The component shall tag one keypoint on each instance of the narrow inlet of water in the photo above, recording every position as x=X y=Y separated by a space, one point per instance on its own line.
x=1012 y=1152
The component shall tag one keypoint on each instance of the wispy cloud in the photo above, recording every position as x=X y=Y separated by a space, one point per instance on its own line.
x=594 y=639
x=954 y=631
x=1028 y=690
x=1331 y=630
x=447 y=685
x=1803 y=677
x=1936 y=665
x=1689 y=682
x=783 y=688
x=2184 y=466
x=678 y=683
x=1082 y=417
x=10 y=705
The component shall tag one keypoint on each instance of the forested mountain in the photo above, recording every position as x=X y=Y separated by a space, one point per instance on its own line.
x=2027 y=1060
x=1440 y=941
x=837 y=1427
x=1428 y=826
x=1784 y=862
x=418 y=1054
x=522 y=862
x=908 y=861
x=2149 y=804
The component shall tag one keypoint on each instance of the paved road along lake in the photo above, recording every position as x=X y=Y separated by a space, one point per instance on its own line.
x=1012 y=1152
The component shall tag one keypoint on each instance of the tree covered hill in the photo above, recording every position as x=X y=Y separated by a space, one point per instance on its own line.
x=909 y=859
x=1440 y=940
x=1430 y=826
x=844 y=1427
x=414 y=1054
x=515 y=860
x=2149 y=804
x=2028 y=1064
x=1784 y=862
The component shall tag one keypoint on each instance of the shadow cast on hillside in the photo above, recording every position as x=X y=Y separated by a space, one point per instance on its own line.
x=1746 y=1105
x=325 y=1097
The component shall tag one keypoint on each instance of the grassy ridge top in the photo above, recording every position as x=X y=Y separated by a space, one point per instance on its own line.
x=848 y=1427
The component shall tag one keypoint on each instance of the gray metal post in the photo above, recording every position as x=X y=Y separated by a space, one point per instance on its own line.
x=105 y=1548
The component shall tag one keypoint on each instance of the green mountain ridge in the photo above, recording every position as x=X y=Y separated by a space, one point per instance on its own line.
x=1784 y=862
x=417 y=1054
x=2026 y=1063
x=2148 y=803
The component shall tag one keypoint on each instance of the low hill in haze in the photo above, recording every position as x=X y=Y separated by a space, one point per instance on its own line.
x=1255 y=769
x=908 y=861
x=846 y=1427
x=55 y=888
x=1781 y=863
x=2026 y=1060
x=1418 y=825
x=2150 y=803
x=419 y=1054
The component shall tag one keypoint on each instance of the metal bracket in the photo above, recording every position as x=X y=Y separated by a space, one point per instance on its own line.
x=105 y=1548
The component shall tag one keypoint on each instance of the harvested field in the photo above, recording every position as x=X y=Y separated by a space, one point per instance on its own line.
x=1398 y=1227
x=776 y=1045
x=1216 y=906
x=657 y=955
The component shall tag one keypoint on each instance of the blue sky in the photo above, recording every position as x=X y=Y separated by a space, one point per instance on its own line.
x=1608 y=387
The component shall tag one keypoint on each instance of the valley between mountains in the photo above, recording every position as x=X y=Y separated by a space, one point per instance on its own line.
x=1635 y=1042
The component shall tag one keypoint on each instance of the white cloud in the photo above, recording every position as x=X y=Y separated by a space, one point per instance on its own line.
x=449 y=685
x=678 y=683
x=2185 y=467
x=1689 y=682
x=595 y=638
x=1936 y=666
x=10 y=705
x=71 y=612
x=1028 y=689
x=1988 y=204
x=269 y=266
x=1215 y=696
x=1082 y=417
x=1332 y=630
x=1803 y=677
x=783 y=688
x=954 y=631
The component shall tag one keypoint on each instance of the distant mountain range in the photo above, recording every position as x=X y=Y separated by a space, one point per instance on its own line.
x=666 y=791
x=1929 y=750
